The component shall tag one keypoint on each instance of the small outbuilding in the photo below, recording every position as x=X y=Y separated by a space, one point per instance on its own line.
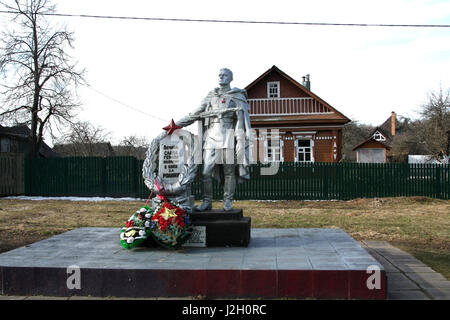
x=375 y=149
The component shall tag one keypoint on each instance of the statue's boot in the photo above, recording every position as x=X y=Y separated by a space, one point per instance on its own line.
x=207 y=195
x=228 y=191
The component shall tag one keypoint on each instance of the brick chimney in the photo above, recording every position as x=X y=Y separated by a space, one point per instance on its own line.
x=393 y=120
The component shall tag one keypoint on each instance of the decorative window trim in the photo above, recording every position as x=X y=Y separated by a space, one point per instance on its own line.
x=269 y=94
x=297 y=149
x=378 y=136
x=274 y=150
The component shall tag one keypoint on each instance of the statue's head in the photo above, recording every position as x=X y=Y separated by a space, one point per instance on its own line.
x=225 y=76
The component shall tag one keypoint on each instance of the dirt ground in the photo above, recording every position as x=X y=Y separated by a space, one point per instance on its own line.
x=418 y=225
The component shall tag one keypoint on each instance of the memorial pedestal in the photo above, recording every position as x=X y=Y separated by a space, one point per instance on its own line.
x=278 y=263
x=223 y=228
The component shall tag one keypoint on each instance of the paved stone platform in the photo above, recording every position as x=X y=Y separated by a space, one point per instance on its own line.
x=408 y=277
x=300 y=263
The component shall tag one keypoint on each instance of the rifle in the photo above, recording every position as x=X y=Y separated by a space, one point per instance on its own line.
x=218 y=112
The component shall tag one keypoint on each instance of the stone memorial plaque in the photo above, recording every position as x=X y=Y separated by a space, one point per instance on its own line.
x=197 y=238
x=171 y=158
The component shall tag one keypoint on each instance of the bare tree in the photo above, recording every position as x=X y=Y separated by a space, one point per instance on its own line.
x=84 y=139
x=352 y=134
x=84 y=132
x=432 y=129
x=40 y=77
x=133 y=146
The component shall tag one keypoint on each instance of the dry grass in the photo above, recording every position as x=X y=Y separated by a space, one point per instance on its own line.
x=419 y=225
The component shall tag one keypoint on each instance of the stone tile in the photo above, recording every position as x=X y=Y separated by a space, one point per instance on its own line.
x=377 y=244
x=293 y=264
x=363 y=266
x=439 y=294
x=398 y=281
x=329 y=266
x=45 y=298
x=12 y=297
x=418 y=270
x=360 y=259
x=326 y=260
x=89 y=298
x=434 y=284
x=410 y=267
x=406 y=295
x=426 y=276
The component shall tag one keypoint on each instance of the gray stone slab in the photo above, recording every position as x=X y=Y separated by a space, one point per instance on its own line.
x=45 y=298
x=439 y=294
x=426 y=276
x=406 y=295
x=320 y=249
x=398 y=281
x=12 y=297
x=414 y=268
x=433 y=284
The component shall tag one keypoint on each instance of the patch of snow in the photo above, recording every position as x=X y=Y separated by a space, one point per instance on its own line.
x=93 y=199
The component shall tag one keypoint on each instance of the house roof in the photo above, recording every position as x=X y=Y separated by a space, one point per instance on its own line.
x=99 y=149
x=372 y=139
x=386 y=130
x=274 y=68
x=23 y=132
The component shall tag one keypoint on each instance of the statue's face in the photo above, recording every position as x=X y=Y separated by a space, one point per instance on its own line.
x=224 y=77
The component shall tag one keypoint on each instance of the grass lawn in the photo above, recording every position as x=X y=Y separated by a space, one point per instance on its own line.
x=418 y=225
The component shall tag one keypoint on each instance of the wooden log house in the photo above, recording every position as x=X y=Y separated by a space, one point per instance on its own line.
x=292 y=123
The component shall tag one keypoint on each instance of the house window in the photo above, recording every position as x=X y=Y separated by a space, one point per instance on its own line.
x=304 y=151
x=378 y=136
x=273 y=89
x=274 y=149
x=5 y=144
x=366 y=155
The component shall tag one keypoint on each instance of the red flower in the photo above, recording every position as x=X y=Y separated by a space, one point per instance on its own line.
x=130 y=224
x=163 y=223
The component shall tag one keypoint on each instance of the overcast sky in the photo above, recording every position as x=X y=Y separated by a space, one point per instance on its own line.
x=165 y=69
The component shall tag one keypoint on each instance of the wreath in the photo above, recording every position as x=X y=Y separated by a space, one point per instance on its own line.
x=169 y=225
x=137 y=229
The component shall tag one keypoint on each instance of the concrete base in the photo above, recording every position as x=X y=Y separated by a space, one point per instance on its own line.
x=224 y=228
x=294 y=263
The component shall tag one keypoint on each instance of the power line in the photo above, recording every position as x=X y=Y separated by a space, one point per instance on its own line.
x=241 y=21
x=126 y=105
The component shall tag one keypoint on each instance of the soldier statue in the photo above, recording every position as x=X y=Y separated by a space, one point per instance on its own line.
x=226 y=139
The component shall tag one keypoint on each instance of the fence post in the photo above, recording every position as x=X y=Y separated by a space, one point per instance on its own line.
x=134 y=177
x=438 y=181
x=104 y=173
x=325 y=180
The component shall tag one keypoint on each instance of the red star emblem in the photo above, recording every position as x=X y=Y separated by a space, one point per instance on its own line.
x=171 y=128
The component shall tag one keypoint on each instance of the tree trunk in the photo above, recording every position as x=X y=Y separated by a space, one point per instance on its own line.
x=34 y=148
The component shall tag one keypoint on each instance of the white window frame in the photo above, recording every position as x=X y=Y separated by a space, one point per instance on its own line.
x=297 y=149
x=275 y=150
x=371 y=150
x=277 y=83
x=378 y=136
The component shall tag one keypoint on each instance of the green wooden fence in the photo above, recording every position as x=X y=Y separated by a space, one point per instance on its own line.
x=121 y=177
